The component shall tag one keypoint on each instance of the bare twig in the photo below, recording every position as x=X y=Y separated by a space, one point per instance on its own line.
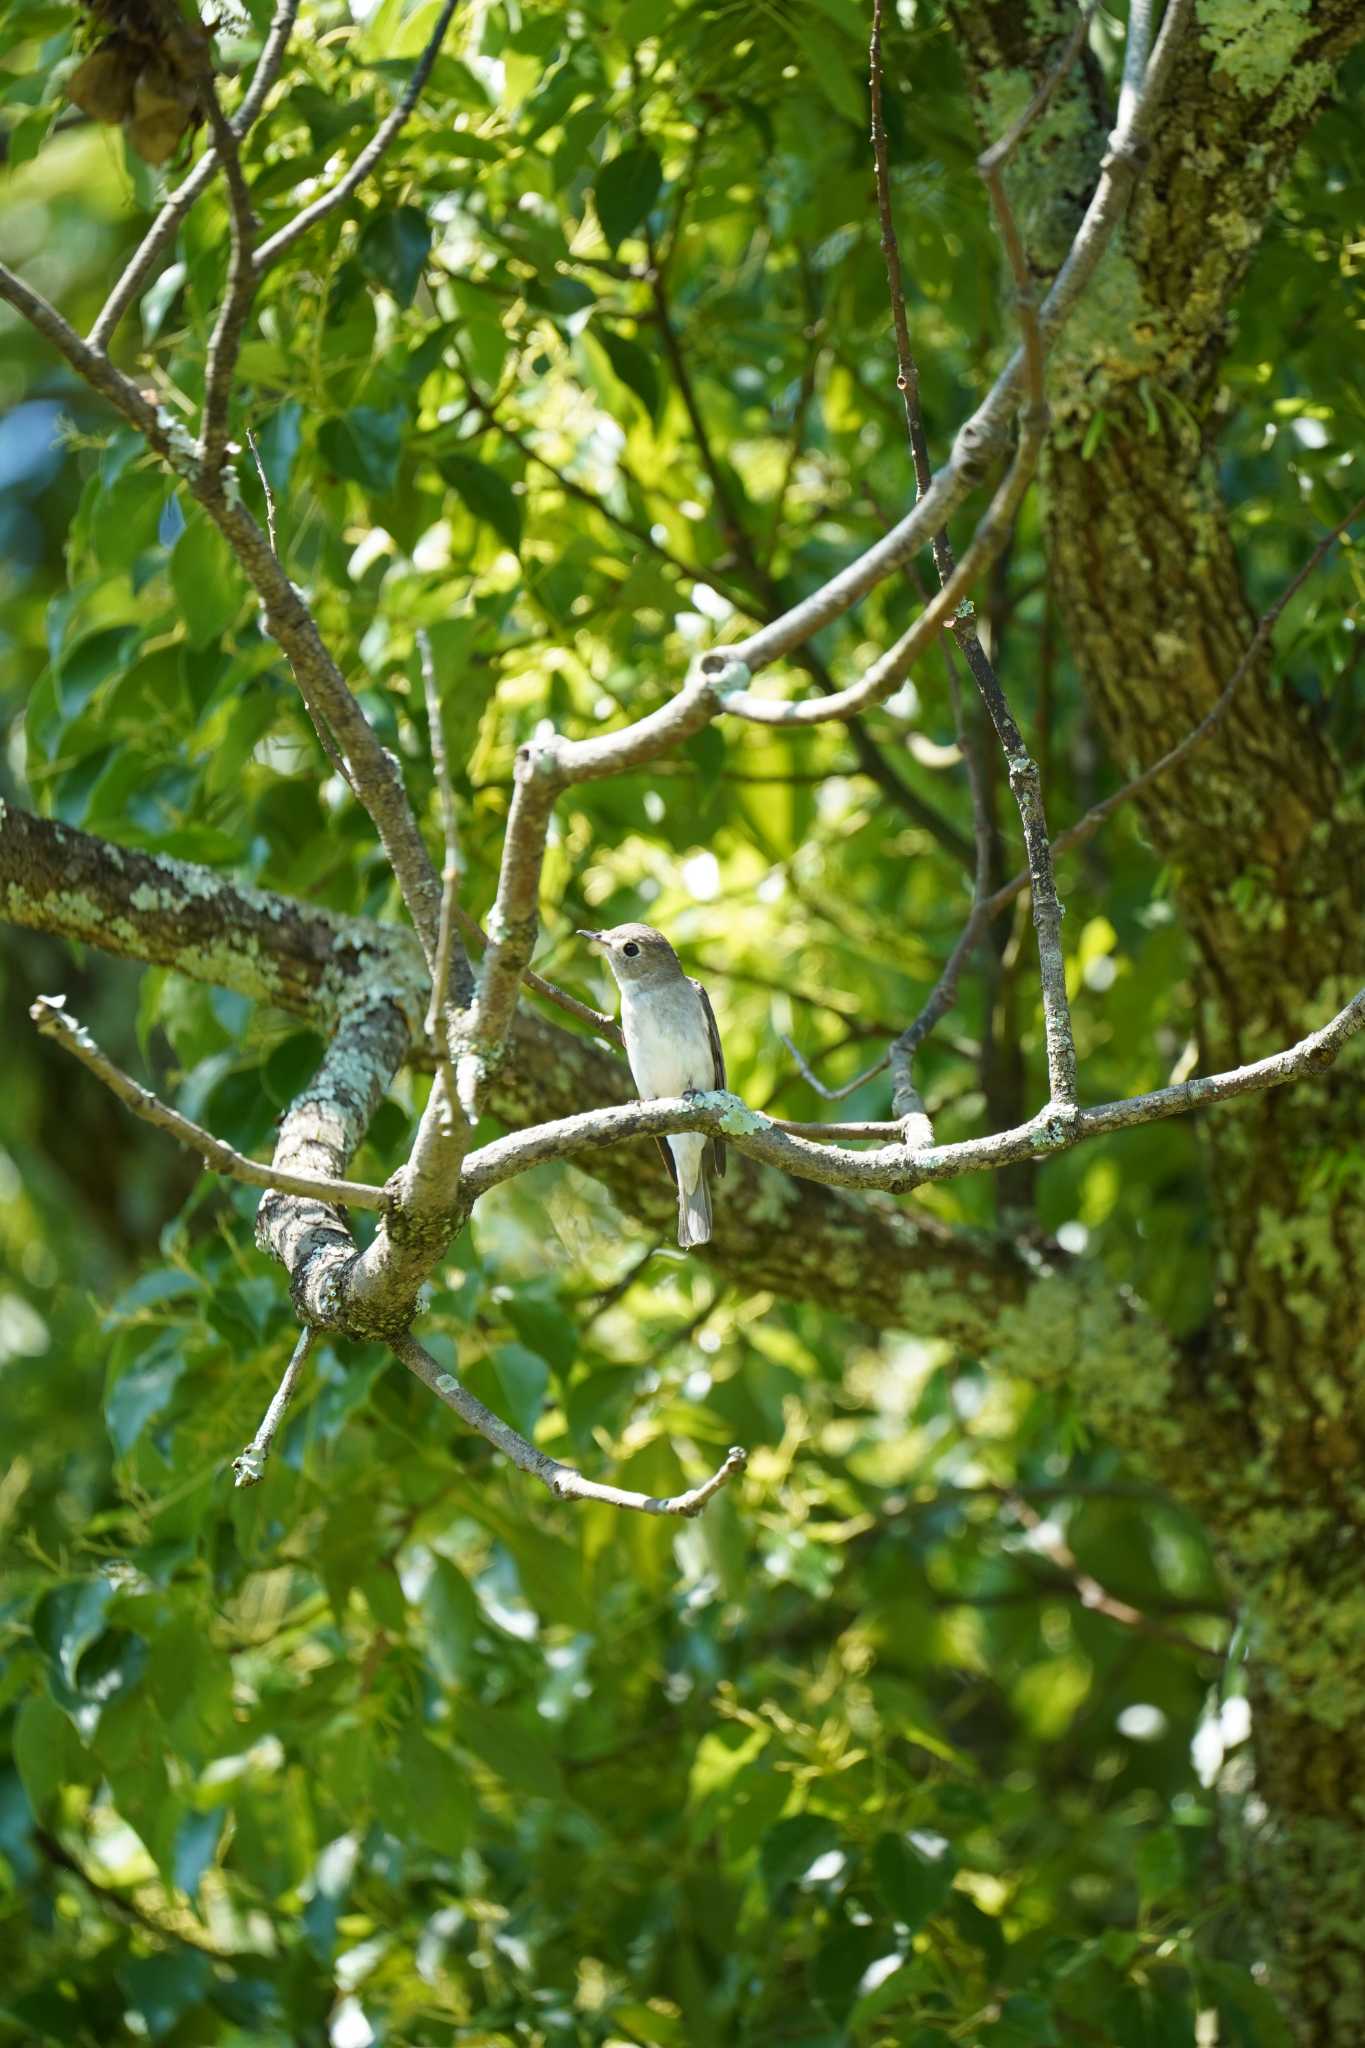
x=161 y=234
x=249 y=1466
x=1086 y=1588
x=985 y=432
x=1023 y=773
x=221 y=361
x=562 y=1480
x=271 y=533
x=53 y=1020
x=597 y=1020
x=826 y=1093
x=1086 y=827
x=284 y=238
x=450 y=954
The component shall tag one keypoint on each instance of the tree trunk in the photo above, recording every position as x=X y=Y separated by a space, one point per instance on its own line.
x=1263 y=1434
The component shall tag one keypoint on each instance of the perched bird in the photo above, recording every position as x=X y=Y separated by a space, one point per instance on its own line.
x=674 y=1048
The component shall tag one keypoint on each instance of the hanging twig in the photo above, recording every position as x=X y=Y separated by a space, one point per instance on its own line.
x=563 y=1481
x=249 y=1466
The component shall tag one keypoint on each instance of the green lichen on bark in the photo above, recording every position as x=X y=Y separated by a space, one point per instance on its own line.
x=1257 y=45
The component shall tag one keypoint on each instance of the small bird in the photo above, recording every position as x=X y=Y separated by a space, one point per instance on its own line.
x=674 y=1048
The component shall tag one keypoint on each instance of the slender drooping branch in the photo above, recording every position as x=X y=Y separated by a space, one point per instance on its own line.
x=220 y=364
x=563 y=1481
x=985 y=433
x=55 y=1021
x=249 y=1466
x=371 y=769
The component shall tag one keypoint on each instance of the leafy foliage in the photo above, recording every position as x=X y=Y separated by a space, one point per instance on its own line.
x=387 y=1748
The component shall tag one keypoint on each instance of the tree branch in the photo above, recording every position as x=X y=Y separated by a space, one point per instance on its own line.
x=163 y=229
x=563 y=1481
x=55 y=1021
x=892 y=1168
x=985 y=432
x=249 y=1466
x=284 y=238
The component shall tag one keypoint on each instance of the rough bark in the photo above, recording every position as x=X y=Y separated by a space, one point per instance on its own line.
x=1263 y=1431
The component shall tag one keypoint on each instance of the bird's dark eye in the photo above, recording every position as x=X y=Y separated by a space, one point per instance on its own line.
x=630 y=949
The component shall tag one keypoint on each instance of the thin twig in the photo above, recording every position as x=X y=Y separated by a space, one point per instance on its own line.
x=55 y=1021
x=1085 y=827
x=249 y=1466
x=563 y=1481
x=1086 y=1588
x=825 y=1092
x=221 y=361
x=598 y=1020
x=163 y=229
x=1024 y=779
x=450 y=954
x=269 y=497
x=285 y=237
x=987 y=429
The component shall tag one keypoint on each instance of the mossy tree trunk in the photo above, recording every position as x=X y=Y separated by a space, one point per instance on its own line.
x=1268 y=857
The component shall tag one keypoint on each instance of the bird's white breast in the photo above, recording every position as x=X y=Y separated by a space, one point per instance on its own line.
x=667 y=1041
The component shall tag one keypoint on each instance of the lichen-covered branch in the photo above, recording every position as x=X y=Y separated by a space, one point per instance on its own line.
x=892 y=1168
x=172 y=913
x=321 y=1129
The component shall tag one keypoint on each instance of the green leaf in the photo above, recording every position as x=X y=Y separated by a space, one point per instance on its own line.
x=433 y=1794
x=206 y=581
x=626 y=188
x=48 y=1753
x=913 y=1884
x=544 y=1326
x=393 y=250
x=1248 y=2011
x=486 y=494
x=512 y=1381
x=453 y=1620
x=160 y=1989
x=830 y=64
x=90 y=663
x=510 y=1746
x=792 y=1849
x=365 y=445
x=1160 y=1865
x=69 y=1619
x=143 y=1389
x=633 y=365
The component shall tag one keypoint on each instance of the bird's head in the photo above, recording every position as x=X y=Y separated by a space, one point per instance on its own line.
x=634 y=952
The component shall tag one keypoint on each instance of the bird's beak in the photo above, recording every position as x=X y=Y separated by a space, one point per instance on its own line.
x=593 y=938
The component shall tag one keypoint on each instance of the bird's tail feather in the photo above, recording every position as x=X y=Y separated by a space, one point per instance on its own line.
x=694 y=1212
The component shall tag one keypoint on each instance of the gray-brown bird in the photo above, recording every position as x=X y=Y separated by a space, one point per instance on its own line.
x=674 y=1049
